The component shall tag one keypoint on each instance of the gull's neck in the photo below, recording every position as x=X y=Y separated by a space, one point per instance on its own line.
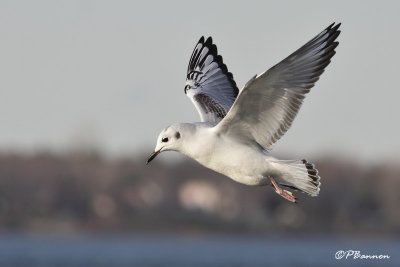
x=195 y=139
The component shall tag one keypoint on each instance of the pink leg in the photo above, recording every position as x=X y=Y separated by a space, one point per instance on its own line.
x=282 y=192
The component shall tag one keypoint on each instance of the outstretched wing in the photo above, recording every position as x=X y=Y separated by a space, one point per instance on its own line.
x=266 y=107
x=208 y=83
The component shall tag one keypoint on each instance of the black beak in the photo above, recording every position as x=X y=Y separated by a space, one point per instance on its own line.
x=153 y=155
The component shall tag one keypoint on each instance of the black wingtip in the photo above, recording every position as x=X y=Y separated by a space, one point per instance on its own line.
x=213 y=50
x=334 y=29
x=330 y=26
x=334 y=33
x=334 y=26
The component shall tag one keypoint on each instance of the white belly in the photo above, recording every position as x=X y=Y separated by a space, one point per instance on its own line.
x=244 y=164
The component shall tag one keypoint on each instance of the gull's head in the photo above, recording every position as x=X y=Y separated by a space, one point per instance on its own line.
x=168 y=140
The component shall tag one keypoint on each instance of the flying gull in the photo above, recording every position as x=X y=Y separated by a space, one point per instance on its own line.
x=238 y=128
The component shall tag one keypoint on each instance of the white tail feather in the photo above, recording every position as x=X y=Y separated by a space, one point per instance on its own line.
x=301 y=175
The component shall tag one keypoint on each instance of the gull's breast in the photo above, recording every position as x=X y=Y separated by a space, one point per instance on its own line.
x=242 y=163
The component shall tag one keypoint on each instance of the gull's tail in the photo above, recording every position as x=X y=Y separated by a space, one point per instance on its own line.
x=300 y=175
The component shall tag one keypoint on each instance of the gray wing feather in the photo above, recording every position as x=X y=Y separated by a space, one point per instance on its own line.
x=209 y=84
x=268 y=104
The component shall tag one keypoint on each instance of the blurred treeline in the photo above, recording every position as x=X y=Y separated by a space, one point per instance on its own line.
x=87 y=193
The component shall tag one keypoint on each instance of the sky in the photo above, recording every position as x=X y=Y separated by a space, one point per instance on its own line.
x=111 y=74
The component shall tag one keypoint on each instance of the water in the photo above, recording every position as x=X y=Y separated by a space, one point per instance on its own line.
x=163 y=251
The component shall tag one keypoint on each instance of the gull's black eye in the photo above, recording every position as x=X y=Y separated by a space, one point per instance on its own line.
x=164 y=140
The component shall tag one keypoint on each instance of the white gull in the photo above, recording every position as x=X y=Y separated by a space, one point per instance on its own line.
x=238 y=129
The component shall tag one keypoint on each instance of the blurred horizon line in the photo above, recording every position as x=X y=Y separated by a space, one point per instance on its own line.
x=98 y=151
